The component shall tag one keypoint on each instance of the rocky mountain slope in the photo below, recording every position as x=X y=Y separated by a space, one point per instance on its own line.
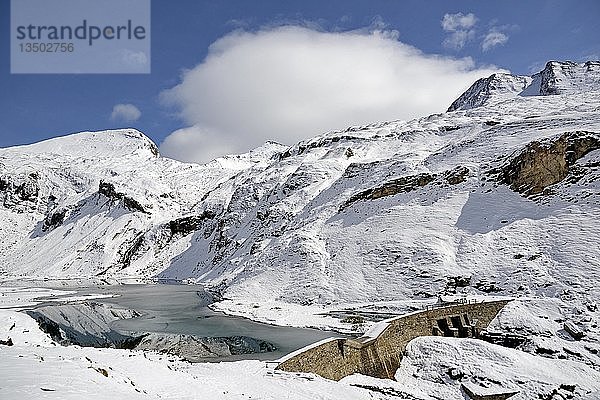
x=499 y=196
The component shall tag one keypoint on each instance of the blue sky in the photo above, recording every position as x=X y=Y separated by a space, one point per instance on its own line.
x=524 y=35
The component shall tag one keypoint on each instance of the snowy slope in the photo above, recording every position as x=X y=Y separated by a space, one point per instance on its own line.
x=438 y=367
x=75 y=206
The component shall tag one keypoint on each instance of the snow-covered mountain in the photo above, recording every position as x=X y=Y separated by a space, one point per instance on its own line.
x=558 y=77
x=76 y=206
x=499 y=196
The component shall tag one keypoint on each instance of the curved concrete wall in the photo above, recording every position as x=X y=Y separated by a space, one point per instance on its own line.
x=378 y=353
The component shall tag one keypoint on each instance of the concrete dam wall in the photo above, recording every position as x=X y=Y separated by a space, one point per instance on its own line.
x=378 y=353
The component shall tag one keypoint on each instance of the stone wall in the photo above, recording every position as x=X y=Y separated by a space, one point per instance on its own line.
x=378 y=353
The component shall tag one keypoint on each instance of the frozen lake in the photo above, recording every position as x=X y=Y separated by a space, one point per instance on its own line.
x=183 y=309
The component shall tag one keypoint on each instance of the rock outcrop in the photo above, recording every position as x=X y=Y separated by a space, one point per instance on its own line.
x=409 y=183
x=19 y=192
x=543 y=164
x=108 y=190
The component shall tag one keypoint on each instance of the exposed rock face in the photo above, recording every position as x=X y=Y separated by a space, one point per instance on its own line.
x=54 y=219
x=160 y=237
x=542 y=164
x=186 y=225
x=456 y=175
x=407 y=184
x=19 y=192
x=403 y=184
x=108 y=189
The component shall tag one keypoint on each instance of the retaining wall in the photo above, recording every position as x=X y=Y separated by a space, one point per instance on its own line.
x=378 y=353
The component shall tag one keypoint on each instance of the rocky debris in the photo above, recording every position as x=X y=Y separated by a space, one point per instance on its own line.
x=455 y=373
x=455 y=282
x=456 y=175
x=108 y=190
x=406 y=184
x=7 y=342
x=544 y=163
x=196 y=348
x=387 y=391
x=486 y=286
x=353 y=319
x=302 y=147
x=562 y=392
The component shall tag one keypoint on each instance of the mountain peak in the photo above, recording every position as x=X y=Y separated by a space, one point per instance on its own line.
x=113 y=143
x=498 y=86
x=565 y=77
x=557 y=77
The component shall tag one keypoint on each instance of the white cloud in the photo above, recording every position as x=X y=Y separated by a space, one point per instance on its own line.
x=198 y=144
x=458 y=21
x=457 y=40
x=289 y=83
x=493 y=38
x=460 y=29
x=125 y=113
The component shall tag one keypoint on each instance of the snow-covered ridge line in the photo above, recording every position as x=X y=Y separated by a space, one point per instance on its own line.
x=558 y=77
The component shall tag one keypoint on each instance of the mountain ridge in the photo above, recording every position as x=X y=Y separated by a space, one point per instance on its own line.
x=558 y=77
